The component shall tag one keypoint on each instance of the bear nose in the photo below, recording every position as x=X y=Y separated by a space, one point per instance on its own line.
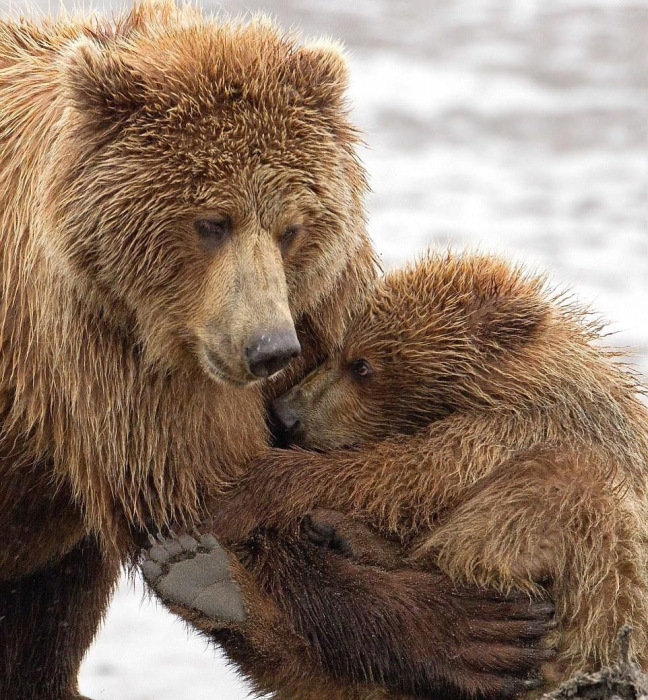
x=286 y=417
x=270 y=351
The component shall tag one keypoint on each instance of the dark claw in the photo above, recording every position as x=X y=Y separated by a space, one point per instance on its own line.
x=324 y=535
x=544 y=609
x=317 y=533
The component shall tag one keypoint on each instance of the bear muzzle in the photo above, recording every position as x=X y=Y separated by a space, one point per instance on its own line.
x=269 y=351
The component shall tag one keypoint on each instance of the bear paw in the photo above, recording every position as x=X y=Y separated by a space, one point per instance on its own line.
x=196 y=575
x=324 y=532
x=350 y=538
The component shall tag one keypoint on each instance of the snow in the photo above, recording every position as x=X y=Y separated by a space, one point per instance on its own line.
x=144 y=653
x=517 y=126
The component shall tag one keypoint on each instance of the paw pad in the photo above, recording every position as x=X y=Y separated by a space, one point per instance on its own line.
x=195 y=574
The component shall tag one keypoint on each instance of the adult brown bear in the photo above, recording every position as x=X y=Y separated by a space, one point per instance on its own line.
x=176 y=193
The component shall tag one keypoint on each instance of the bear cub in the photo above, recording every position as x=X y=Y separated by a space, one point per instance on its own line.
x=471 y=420
x=528 y=451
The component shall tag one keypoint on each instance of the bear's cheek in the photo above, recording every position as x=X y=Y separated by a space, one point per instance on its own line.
x=339 y=418
x=315 y=269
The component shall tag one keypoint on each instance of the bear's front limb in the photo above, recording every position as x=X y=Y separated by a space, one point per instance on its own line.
x=349 y=537
x=397 y=486
x=48 y=620
x=411 y=632
x=208 y=588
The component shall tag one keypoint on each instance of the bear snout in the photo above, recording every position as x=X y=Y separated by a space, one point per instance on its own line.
x=285 y=416
x=270 y=351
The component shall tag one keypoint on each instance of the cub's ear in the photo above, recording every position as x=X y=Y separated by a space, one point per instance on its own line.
x=321 y=74
x=99 y=83
x=507 y=321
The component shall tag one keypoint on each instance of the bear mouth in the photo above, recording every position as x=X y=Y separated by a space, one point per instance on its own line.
x=217 y=370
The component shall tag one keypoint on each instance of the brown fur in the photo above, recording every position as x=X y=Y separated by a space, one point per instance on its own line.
x=321 y=625
x=374 y=633
x=504 y=444
x=113 y=138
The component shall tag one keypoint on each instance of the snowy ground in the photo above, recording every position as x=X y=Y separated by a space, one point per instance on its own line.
x=518 y=126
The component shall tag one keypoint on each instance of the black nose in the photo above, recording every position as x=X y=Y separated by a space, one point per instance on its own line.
x=271 y=351
x=285 y=417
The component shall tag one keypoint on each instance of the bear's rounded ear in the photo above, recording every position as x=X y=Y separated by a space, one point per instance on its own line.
x=322 y=74
x=99 y=83
x=507 y=321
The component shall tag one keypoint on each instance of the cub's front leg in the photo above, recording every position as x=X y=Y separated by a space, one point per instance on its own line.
x=509 y=528
x=531 y=521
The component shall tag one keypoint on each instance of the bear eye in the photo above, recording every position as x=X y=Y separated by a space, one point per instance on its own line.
x=361 y=369
x=212 y=232
x=289 y=236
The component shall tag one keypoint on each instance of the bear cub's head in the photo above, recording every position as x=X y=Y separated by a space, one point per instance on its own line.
x=433 y=338
x=204 y=188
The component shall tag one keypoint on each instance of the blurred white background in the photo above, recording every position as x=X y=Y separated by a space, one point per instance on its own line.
x=516 y=126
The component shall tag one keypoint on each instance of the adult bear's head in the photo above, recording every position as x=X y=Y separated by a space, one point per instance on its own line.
x=205 y=186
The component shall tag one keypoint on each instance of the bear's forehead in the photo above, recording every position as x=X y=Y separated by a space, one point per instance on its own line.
x=234 y=142
x=210 y=67
x=231 y=129
x=266 y=171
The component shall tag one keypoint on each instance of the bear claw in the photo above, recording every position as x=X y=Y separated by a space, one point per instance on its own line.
x=324 y=535
x=194 y=574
